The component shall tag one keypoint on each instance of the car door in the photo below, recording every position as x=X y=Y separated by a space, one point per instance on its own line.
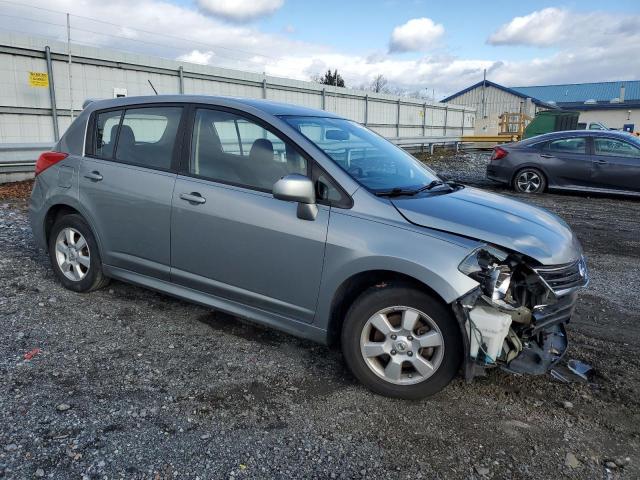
x=566 y=161
x=616 y=164
x=126 y=186
x=229 y=236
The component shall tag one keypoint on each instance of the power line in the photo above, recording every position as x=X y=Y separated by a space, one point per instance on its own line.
x=120 y=37
x=85 y=43
x=174 y=37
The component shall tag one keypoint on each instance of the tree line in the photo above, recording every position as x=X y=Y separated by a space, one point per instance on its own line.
x=379 y=84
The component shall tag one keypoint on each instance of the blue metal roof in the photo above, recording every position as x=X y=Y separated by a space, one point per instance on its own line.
x=581 y=92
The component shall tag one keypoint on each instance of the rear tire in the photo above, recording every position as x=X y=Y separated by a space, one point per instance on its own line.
x=529 y=180
x=74 y=255
x=419 y=353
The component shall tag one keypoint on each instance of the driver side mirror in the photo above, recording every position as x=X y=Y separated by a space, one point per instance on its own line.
x=298 y=188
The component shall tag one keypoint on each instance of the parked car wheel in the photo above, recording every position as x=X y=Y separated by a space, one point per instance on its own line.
x=529 y=180
x=74 y=255
x=401 y=342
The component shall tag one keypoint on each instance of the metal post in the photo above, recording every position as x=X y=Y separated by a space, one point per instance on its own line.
x=181 y=79
x=366 y=109
x=69 y=58
x=424 y=119
x=324 y=99
x=52 y=94
x=398 y=122
x=462 y=126
x=264 y=86
x=446 y=118
x=484 y=95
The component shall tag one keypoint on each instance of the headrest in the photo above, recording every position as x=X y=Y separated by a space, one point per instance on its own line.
x=127 y=137
x=262 y=150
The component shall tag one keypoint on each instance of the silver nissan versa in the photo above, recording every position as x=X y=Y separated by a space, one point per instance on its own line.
x=313 y=224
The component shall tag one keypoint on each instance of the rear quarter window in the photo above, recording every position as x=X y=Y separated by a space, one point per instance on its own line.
x=106 y=132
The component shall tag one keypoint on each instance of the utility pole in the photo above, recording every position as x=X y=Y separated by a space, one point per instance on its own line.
x=484 y=97
x=69 y=58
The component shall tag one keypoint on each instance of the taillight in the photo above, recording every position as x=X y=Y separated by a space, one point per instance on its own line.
x=47 y=159
x=498 y=153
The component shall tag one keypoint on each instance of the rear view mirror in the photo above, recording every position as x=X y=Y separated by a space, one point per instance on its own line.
x=298 y=188
x=336 y=134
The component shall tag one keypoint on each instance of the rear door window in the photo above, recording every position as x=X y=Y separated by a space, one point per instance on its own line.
x=147 y=136
x=568 y=145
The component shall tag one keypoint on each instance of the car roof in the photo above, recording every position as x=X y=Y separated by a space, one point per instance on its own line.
x=575 y=133
x=266 y=106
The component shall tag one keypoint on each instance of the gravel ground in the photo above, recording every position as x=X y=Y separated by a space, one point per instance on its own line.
x=128 y=383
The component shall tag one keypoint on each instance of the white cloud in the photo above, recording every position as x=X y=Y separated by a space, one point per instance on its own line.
x=240 y=10
x=180 y=32
x=196 y=56
x=564 y=28
x=418 y=34
x=541 y=28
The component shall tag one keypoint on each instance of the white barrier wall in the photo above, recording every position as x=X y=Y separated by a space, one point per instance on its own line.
x=26 y=113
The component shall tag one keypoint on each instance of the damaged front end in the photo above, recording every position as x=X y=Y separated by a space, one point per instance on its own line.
x=516 y=316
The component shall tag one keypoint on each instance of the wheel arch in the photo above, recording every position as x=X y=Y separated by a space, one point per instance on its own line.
x=351 y=288
x=60 y=209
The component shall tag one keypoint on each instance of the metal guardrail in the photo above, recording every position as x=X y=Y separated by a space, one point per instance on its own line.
x=429 y=142
x=21 y=157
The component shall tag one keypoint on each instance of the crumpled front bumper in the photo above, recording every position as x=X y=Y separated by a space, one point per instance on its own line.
x=542 y=344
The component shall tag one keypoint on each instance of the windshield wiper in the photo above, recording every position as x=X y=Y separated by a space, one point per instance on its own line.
x=398 y=192
x=433 y=184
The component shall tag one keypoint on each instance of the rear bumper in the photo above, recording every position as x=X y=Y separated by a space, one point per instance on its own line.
x=36 y=208
x=499 y=173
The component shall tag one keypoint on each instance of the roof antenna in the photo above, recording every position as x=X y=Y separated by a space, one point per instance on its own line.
x=154 y=88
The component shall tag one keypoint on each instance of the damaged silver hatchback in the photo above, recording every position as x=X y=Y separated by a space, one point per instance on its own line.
x=313 y=224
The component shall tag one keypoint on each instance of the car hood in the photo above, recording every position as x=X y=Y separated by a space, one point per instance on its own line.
x=496 y=219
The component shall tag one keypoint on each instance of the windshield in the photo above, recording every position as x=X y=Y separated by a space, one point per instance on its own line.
x=367 y=157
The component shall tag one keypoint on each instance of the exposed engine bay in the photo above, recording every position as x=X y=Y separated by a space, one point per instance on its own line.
x=515 y=318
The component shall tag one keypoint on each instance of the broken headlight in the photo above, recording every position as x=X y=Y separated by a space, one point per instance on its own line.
x=488 y=265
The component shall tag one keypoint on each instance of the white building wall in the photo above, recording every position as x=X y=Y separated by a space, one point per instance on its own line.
x=613 y=118
x=496 y=102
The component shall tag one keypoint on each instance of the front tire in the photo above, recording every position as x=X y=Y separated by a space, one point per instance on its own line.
x=529 y=180
x=74 y=255
x=401 y=342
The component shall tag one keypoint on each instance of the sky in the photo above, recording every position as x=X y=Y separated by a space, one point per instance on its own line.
x=425 y=47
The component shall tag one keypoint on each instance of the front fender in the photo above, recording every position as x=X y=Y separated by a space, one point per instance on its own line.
x=356 y=245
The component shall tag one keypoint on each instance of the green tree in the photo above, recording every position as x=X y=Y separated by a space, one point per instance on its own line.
x=330 y=78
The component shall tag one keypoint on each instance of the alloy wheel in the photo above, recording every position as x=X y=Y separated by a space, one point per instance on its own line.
x=72 y=254
x=402 y=345
x=529 y=182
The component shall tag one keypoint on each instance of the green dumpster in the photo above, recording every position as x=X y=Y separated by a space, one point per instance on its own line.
x=551 y=121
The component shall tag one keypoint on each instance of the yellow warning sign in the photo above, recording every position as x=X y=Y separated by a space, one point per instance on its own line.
x=38 y=79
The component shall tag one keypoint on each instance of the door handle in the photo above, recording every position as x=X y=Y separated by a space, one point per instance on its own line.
x=95 y=176
x=546 y=155
x=193 y=197
x=601 y=162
